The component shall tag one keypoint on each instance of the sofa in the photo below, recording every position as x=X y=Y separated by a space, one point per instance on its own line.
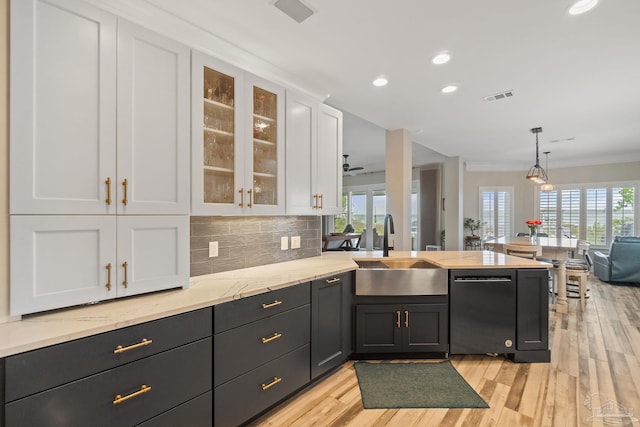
x=622 y=264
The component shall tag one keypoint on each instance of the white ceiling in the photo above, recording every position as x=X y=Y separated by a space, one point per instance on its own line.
x=575 y=76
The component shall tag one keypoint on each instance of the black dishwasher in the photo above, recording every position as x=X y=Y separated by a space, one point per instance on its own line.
x=482 y=311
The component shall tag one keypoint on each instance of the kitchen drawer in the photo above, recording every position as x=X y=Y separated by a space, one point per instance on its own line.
x=174 y=377
x=41 y=369
x=242 y=349
x=197 y=412
x=246 y=396
x=246 y=310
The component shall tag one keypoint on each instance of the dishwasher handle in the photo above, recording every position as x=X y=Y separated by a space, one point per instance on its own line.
x=483 y=280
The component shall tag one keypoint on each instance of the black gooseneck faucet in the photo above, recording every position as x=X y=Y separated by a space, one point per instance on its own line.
x=388 y=228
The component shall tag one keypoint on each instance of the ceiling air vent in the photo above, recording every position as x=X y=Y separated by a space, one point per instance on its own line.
x=295 y=9
x=502 y=95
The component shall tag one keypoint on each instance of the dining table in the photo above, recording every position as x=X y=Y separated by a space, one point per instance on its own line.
x=556 y=248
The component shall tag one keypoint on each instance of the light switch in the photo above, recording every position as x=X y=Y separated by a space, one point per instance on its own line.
x=284 y=243
x=213 y=249
x=295 y=242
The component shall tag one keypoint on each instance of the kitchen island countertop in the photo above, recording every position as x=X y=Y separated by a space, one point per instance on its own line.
x=41 y=330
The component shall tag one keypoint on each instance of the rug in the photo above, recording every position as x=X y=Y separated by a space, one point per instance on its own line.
x=415 y=385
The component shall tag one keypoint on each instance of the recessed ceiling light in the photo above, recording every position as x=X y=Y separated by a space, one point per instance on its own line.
x=449 y=89
x=380 y=81
x=441 y=58
x=582 y=6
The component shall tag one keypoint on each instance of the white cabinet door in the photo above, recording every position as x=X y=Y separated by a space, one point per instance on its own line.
x=329 y=154
x=301 y=133
x=61 y=261
x=63 y=96
x=153 y=253
x=264 y=147
x=153 y=123
x=217 y=150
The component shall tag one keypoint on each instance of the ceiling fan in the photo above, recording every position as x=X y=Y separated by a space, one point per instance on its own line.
x=346 y=167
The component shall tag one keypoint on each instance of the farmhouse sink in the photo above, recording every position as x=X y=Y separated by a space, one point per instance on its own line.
x=399 y=276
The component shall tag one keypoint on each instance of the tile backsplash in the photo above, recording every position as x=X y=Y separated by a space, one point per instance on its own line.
x=247 y=241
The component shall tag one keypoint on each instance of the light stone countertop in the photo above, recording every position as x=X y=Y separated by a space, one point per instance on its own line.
x=41 y=330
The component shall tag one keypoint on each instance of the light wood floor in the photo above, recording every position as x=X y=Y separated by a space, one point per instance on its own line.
x=595 y=359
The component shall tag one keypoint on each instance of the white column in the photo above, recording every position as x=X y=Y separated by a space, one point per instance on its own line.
x=452 y=195
x=398 y=186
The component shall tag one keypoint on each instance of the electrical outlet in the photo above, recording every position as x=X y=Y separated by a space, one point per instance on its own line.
x=295 y=242
x=213 y=249
x=284 y=243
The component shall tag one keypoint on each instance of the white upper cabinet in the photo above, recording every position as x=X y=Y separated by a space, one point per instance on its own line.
x=63 y=107
x=314 y=150
x=237 y=141
x=153 y=123
x=70 y=103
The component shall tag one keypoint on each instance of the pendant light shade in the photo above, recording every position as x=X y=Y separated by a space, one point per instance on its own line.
x=546 y=187
x=536 y=173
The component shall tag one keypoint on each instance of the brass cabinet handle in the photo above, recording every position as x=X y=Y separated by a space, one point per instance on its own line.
x=241 y=191
x=321 y=204
x=275 y=381
x=108 y=182
x=250 y=192
x=315 y=201
x=398 y=319
x=334 y=280
x=406 y=318
x=275 y=336
x=120 y=349
x=120 y=398
x=108 y=276
x=125 y=265
x=273 y=304
x=125 y=184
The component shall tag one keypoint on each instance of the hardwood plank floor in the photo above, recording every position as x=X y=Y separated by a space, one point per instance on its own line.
x=595 y=364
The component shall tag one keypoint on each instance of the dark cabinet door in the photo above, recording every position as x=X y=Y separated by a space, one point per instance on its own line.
x=425 y=328
x=379 y=328
x=532 y=310
x=331 y=325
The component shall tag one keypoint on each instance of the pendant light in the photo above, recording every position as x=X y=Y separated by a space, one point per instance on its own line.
x=546 y=187
x=536 y=173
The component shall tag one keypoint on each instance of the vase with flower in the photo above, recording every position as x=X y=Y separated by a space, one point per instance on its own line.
x=533 y=226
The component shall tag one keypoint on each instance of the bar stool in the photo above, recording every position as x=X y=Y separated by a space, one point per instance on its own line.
x=579 y=272
x=523 y=251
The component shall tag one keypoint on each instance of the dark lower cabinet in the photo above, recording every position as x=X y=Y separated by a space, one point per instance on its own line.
x=331 y=324
x=402 y=328
x=198 y=412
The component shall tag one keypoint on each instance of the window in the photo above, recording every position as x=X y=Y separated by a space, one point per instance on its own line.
x=596 y=213
x=496 y=211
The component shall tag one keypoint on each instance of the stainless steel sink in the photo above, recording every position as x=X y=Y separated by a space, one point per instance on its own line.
x=398 y=276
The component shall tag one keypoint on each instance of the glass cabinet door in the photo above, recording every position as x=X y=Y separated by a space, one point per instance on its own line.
x=218 y=137
x=265 y=147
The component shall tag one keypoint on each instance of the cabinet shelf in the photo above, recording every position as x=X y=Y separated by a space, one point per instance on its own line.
x=218 y=131
x=218 y=169
x=218 y=104
x=265 y=175
x=262 y=141
x=265 y=118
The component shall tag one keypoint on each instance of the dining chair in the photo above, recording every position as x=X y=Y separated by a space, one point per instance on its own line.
x=523 y=251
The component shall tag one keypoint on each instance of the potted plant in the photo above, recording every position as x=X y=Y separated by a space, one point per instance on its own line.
x=472 y=225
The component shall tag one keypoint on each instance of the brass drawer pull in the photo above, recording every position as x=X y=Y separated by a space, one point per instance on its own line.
x=398 y=319
x=315 y=201
x=250 y=193
x=275 y=336
x=108 y=182
x=125 y=265
x=120 y=398
x=108 y=276
x=321 y=204
x=121 y=349
x=275 y=381
x=406 y=318
x=273 y=304
x=125 y=184
x=334 y=280
x=241 y=191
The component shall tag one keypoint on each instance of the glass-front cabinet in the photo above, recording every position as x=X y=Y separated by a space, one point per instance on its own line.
x=237 y=141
